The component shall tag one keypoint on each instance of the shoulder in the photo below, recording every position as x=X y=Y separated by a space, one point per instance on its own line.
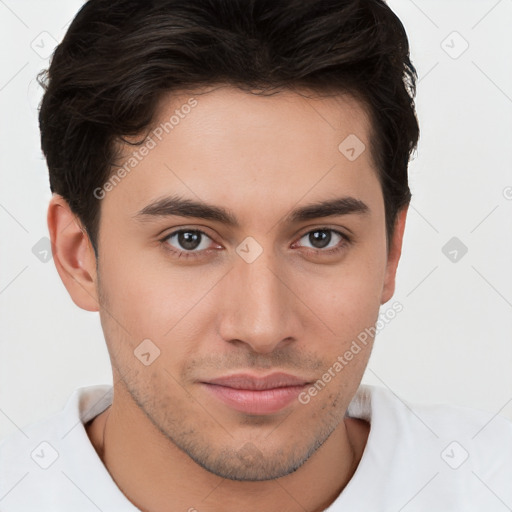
x=34 y=458
x=475 y=428
x=461 y=455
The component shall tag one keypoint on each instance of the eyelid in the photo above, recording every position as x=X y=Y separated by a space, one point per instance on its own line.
x=185 y=227
x=338 y=231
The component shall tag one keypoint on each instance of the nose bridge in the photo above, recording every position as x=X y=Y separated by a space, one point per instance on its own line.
x=259 y=309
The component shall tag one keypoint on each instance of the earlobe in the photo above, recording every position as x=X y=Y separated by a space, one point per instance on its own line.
x=73 y=254
x=395 y=250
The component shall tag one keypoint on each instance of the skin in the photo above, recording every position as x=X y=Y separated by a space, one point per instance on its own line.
x=168 y=444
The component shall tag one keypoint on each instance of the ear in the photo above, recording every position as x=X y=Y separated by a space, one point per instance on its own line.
x=73 y=254
x=395 y=250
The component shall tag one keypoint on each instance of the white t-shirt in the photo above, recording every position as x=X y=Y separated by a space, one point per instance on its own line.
x=429 y=458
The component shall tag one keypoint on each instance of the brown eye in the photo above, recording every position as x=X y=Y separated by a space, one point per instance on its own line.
x=320 y=239
x=188 y=240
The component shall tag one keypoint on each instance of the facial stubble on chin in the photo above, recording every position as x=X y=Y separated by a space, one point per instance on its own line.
x=243 y=460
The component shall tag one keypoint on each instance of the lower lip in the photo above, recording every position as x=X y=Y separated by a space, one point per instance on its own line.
x=267 y=401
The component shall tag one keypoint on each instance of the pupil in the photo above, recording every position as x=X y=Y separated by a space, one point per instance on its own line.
x=320 y=239
x=189 y=239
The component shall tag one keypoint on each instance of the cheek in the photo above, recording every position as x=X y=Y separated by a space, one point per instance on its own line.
x=155 y=300
x=347 y=297
x=140 y=287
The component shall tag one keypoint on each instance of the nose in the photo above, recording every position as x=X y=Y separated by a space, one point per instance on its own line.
x=259 y=309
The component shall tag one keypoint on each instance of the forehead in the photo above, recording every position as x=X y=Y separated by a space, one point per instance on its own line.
x=234 y=147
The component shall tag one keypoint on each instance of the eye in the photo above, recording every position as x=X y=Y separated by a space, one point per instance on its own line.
x=325 y=240
x=189 y=243
x=188 y=240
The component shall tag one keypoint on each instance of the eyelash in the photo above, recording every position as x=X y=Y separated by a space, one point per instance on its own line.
x=346 y=240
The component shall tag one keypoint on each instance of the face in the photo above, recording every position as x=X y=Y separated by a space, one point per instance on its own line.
x=278 y=268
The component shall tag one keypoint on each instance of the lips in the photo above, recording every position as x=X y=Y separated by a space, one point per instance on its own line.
x=252 y=394
x=245 y=381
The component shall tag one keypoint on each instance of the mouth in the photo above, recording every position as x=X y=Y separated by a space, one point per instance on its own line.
x=257 y=395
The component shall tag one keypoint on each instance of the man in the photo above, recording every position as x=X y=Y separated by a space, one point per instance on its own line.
x=230 y=194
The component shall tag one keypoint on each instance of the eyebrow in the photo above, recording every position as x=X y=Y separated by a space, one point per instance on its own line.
x=183 y=207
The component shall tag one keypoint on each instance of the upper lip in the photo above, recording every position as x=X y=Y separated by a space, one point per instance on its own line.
x=253 y=382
